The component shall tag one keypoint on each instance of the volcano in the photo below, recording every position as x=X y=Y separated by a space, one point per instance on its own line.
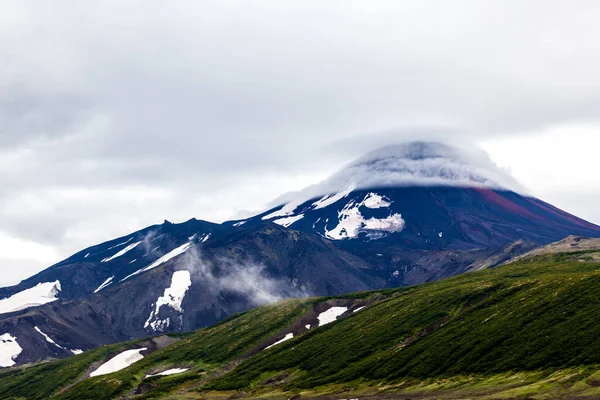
x=401 y=215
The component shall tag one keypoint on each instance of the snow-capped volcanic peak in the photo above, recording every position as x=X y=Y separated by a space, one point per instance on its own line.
x=424 y=164
x=360 y=201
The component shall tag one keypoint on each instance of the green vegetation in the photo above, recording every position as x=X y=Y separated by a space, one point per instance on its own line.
x=530 y=329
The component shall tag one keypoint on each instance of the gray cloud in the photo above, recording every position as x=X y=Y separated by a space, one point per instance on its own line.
x=115 y=115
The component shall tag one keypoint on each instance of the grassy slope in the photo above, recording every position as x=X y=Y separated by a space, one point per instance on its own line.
x=527 y=328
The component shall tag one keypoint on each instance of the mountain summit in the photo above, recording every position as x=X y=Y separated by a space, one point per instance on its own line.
x=401 y=215
x=427 y=195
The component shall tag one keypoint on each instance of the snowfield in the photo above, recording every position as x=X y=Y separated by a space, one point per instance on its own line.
x=105 y=284
x=328 y=200
x=9 y=350
x=331 y=315
x=284 y=211
x=119 y=362
x=122 y=252
x=40 y=294
x=287 y=337
x=48 y=339
x=352 y=222
x=288 y=220
x=168 y=372
x=173 y=296
x=170 y=255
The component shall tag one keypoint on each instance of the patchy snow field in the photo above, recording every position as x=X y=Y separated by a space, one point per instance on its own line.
x=40 y=294
x=168 y=372
x=9 y=350
x=331 y=315
x=170 y=255
x=104 y=284
x=287 y=337
x=122 y=252
x=288 y=220
x=48 y=339
x=119 y=362
x=173 y=296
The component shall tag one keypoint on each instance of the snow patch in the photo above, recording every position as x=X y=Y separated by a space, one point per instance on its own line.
x=373 y=200
x=119 y=362
x=205 y=238
x=307 y=326
x=441 y=234
x=87 y=255
x=284 y=211
x=9 y=350
x=173 y=297
x=328 y=200
x=359 y=308
x=352 y=223
x=48 y=339
x=170 y=255
x=173 y=371
x=41 y=293
x=122 y=252
x=287 y=337
x=77 y=351
x=239 y=223
x=331 y=315
x=288 y=220
x=120 y=244
x=104 y=284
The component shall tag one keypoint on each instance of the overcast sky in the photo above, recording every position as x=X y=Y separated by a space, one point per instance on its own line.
x=115 y=115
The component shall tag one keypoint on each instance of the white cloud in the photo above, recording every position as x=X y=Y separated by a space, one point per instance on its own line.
x=117 y=114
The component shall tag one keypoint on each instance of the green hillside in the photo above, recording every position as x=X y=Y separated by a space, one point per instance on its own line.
x=526 y=330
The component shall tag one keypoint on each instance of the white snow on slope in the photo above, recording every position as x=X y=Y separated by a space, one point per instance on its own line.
x=239 y=223
x=170 y=255
x=40 y=294
x=205 y=238
x=173 y=296
x=173 y=371
x=105 y=284
x=352 y=222
x=328 y=200
x=373 y=200
x=122 y=252
x=358 y=309
x=48 y=339
x=331 y=315
x=120 y=244
x=119 y=362
x=9 y=350
x=287 y=337
x=284 y=211
x=287 y=221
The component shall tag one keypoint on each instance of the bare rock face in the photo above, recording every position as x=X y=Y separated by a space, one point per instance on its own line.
x=570 y=244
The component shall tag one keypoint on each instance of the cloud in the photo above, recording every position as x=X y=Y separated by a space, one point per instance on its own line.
x=224 y=275
x=118 y=114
